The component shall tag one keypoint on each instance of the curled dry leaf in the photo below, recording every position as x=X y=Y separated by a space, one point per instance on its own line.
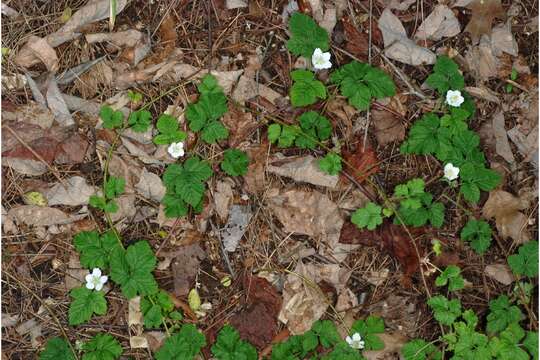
x=500 y=272
x=37 y=49
x=398 y=46
x=223 y=197
x=302 y=169
x=303 y=300
x=439 y=24
x=502 y=40
x=510 y=221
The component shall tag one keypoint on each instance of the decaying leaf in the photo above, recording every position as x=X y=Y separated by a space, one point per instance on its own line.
x=525 y=134
x=303 y=300
x=398 y=46
x=501 y=138
x=500 y=272
x=483 y=14
x=357 y=43
x=223 y=197
x=76 y=192
x=150 y=186
x=185 y=267
x=393 y=342
x=239 y=218
x=257 y=322
x=502 y=40
x=439 y=24
x=363 y=162
x=33 y=215
x=302 y=169
x=510 y=221
x=126 y=208
x=240 y=124
x=388 y=127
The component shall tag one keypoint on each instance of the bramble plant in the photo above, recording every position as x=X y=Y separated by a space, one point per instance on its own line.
x=169 y=133
x=235 y=162
x=367 y=217
x=331 y=163
x=306 y=36
x=478 y=233
x=451 y=276
x=306 y=89
x=229 y=346
x=112 y=119
x=113 y=188
x=525 y=262
x=140 y=120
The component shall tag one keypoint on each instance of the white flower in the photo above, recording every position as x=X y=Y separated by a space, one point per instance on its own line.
x=321 y=60
x=95 y=280
x=451 y=172
x=176 y=150
x=355 y=341
x=454 y=98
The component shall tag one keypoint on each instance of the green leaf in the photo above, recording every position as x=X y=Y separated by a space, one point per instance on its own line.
x=368 y=216
x=229 y=346
x=167 y=126
x=57 y=348
x=235 y=162
x=274 y=131
x=174 y=206
x=445 y=76
x=423 y=137
x=306 y=36
x=134 y=96
x=214 y=131
x=114 y=187
x=95 y=250
x=327 y=333
x=111 y=119
x=525 y=262
x=361 y=82
x=309 y=341
x=451 y=276
x=183 y=345
x=132 y=269
x=102 y=347
x=436 y=214
x=101 y=203
x=284 y=136
x=476 y=178
x=140 y=120
x=502 y=314
x=478 y=233
x=85 y=303
x=445 y=311
x=368 y=329
x=306 y=89
x=314 y=128
x=152 y=315
x=331 y=163
x=418 y=349
x=209 y=84
x=342 y=351
x=531 y=344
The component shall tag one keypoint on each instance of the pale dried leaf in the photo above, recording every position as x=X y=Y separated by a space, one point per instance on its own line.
x=223 y=197
x=150 y=186
x=247 y=88
x=37 y=49
x=57 y=104
x=77 y=192
x=439 y=24
x=135 y=316
x=239 y=218
x=393 y=342
x=501 y=139
x=500 y=272
x=126 y=208
x=388 y=127
x=510 y=221
x=483 y=93
x=138 y=342
x=33 y=215
x=235 y=4
x=502 y=40
x=185 y=267
x=302 y=169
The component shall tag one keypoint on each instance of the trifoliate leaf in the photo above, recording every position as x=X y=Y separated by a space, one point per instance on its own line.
x=451 y=276
x=368 y=216
x=476 y=178
x=284 y=136
x=57 y=348
x=478 y=233
x=306 y=89
x=114 y=187
x=445 y=311
x=229 y=346
x=102 y=347
x=314 y=128
x=101 y=203
x=214 y=131
x=423 y=137
x=209 y=84
x=445 y=76
x=342 y=351
x=94 y=250
x=327 y=333
x=419 y=349
x=274 y=131
x=140 y=120
x=361 y=82
x=235 y=162
x=525 y=262
x=155 y=307
x=368 y=329
x=134 y=96
x=111 y=119
x=169 y=133
x=86 y=303
x=331 y=163
x=132 y=269
x=306 y=36
x=502 y=313
x=309 y=341
x=183 y=345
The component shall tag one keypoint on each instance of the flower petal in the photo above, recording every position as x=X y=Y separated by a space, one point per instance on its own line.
x=89 y=285
x=356 y=337
x=103 y=279
x=99 y=286
x=96 y=272
x=348 y=340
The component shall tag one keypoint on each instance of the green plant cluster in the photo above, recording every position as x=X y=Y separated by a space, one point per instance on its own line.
x=113 y=188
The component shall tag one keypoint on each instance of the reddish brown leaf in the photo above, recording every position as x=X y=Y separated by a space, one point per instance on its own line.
x=241 y=125
x=258 y=323
x=388 y=127
x=357 y=42
x=364 y=162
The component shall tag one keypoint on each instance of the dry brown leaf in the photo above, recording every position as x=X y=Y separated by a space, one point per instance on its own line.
x=510 y=221
x=483 y=14
x=302 y=169
x=37 y=49
x=363 y=162
x=255 y=178
x=357 y=42
x=76 y=192
x=240 y=124
x=223 y=198
x=502 y=40
x=500 y=272
x=30 y=113
x=126 y=208
x=501 y=138
x=33 y=215
x=247 y=88
x=232 y=232
x=185 y=267
x=393 y=342
x=150 y=186
x=439 y=24
x=388 y=127
x=135 y=316
x=303 y=300
x=89 y=83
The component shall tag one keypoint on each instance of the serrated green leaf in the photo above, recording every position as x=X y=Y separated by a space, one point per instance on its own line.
x=209 y=84
x=274 y=131
x=502 y=314
x=229 y=346
x=445 y=76
x=451 y=276
x=327 y=333
x=85 y=303
x=368 y=329
x=114 y=187
x=531 y=344
x=95 y=250
x=235 y=162
x=140 y=120
x=478 y=233
x=314 y=128
x=102 y=347
x=368 y=216
x=57 y=348
x=525 y=262
x=214 y=131
x=111 y=119
x=306 y=89
x=445 y=311
x=331 y=164
x=306 y=36
x=183 y=345
x=418 y=349
x=132 y=269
